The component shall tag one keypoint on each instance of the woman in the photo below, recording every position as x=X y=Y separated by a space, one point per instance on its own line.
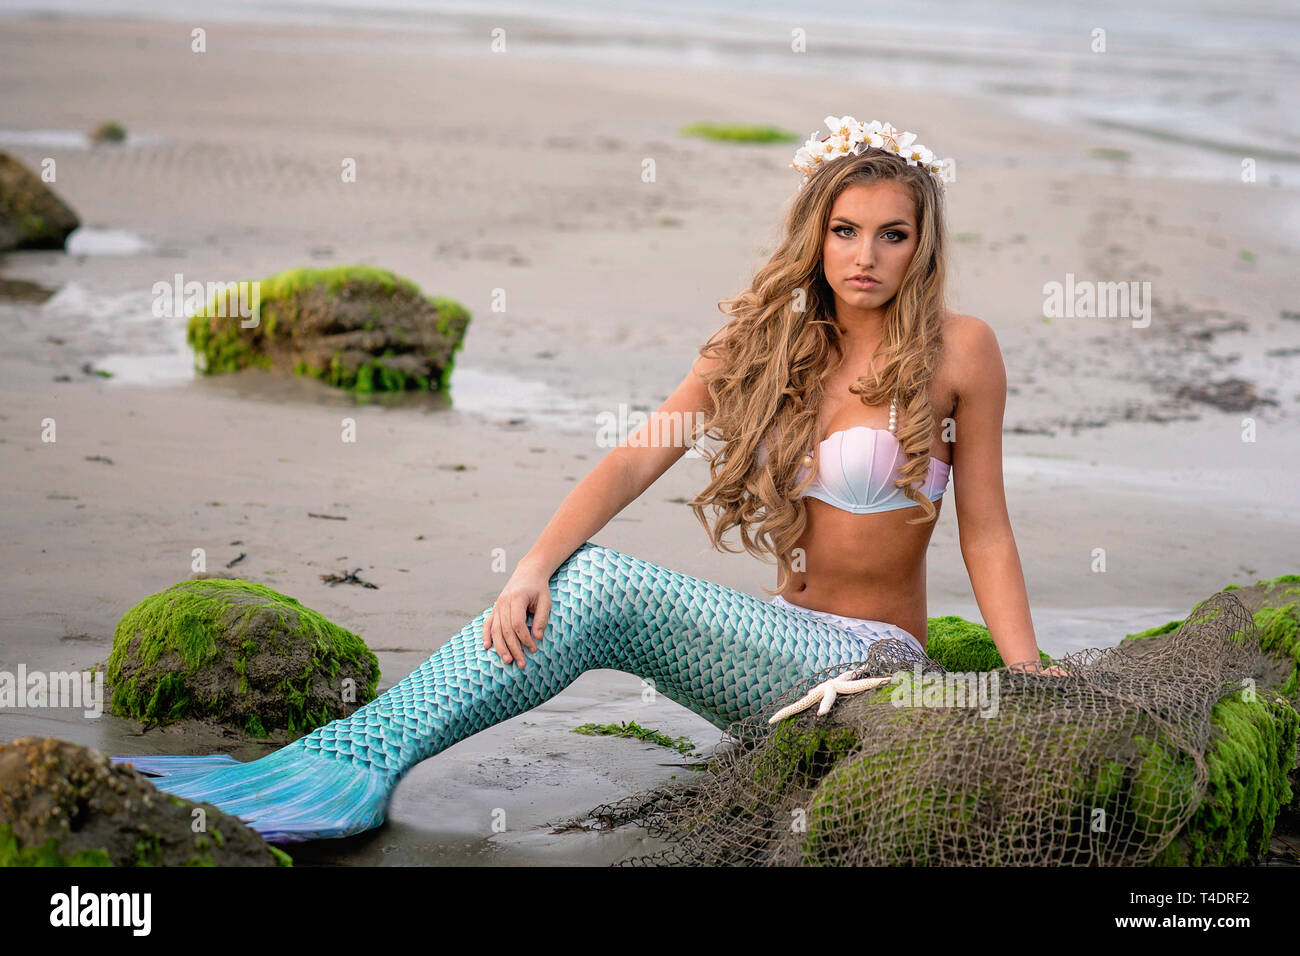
x=851 y=304
x=849 y=534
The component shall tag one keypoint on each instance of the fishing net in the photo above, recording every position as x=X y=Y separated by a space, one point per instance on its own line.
x=940 y=767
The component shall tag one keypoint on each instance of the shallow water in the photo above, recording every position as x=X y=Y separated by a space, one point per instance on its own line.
x=72 y=139
x=1166 y=64
x=104 y=242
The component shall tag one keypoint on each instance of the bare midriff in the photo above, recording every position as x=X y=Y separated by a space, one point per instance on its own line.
x=867 y=565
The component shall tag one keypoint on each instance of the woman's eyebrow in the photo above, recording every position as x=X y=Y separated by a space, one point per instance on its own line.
x=895 y=222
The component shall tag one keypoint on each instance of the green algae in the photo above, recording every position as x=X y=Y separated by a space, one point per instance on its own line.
x=282 y=858
x=740 y=133
x=47 y=854
x=800 y=754
x=149 y=851
x=836 y=814
x=108 y=131
x=633 y=730
x=1167 y=628
x=1251 y=753
x=163 y=644
x=961 y=645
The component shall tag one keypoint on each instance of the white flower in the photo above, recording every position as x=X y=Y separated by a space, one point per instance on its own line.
x=803 y=159
x=845 y=128
x=917 y=154
x=834 y=147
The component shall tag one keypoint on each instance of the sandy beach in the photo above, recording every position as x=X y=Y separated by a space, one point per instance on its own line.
x=479 y=172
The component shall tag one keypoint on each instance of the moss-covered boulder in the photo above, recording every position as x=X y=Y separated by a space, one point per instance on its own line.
x=31 y=216
x=353 y=327
x=1141 y=778
x=62 y=804
x=239 y=655
x=1144 y=786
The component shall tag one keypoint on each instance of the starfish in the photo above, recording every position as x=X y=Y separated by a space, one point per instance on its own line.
x=890 y=137
x=851 y=681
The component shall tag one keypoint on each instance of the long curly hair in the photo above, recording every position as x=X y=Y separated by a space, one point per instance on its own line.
x=777 y=345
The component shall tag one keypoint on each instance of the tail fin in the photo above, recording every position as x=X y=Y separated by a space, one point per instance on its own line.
x=290 y=795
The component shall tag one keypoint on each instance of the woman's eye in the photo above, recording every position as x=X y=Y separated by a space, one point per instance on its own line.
x=899 y=236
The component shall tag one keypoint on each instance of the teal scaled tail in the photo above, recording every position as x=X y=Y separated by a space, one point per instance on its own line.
x=724 y=654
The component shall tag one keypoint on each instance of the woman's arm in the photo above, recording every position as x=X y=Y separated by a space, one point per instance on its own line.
x=618 y=479
x=623 y=474
x=984 y=527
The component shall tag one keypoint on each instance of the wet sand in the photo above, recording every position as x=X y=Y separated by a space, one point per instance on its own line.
x=480 y=172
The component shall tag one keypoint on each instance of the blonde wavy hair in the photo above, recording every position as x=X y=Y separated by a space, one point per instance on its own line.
x=777 y=346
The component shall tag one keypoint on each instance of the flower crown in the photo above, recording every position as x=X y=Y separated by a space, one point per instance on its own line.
x=849 y=137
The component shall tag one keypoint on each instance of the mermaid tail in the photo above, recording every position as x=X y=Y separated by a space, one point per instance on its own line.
x=722 y=653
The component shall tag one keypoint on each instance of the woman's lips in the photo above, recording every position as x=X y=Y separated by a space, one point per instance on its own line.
x=864 y=283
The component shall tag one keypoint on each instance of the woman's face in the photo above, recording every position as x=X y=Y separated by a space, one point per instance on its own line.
x=873 y=231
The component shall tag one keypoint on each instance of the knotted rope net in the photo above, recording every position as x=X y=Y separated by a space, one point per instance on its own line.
x=1100 y=767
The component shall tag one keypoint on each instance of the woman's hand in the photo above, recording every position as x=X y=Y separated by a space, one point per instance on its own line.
x=506 y=627
x=1036 y=667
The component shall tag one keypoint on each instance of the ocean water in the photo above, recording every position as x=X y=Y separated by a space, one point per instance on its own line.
x=1220 y=79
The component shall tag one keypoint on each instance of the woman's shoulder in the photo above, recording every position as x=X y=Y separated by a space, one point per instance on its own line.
x=966 y=337
x=967 y=344
x=960 y=324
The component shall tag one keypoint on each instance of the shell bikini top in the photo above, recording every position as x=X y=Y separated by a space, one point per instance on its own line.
x=858 y=467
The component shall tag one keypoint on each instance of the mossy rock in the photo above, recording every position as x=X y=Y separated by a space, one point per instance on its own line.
x=1143 y=782
x=237 y=654
x=961 y=645
x=62 y=804
x=31 y=215
x=353 y=327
